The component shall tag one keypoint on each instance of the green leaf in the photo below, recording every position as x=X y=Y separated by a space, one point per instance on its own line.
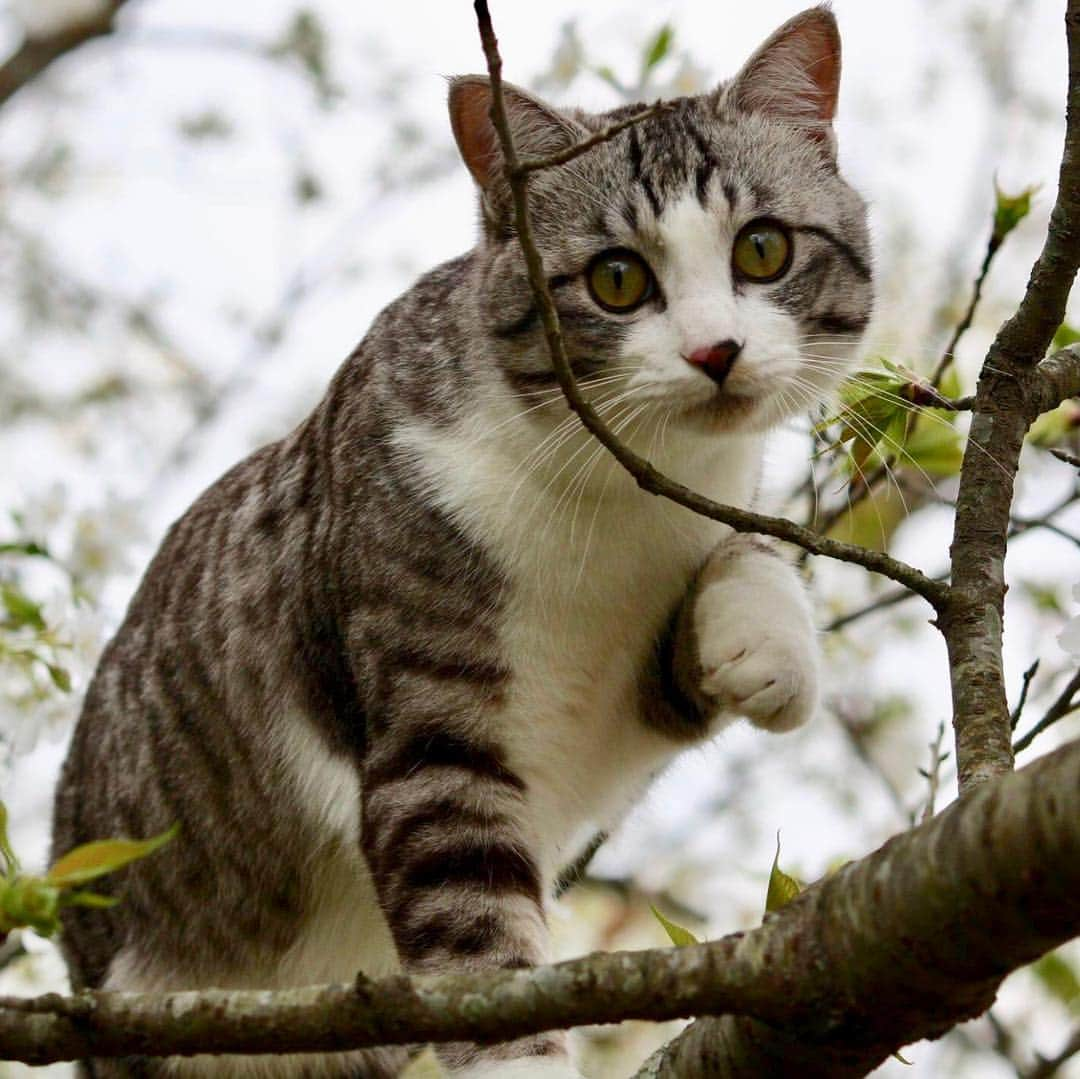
x=11 y=863
x=425 y=1066
x=22 y=611
x=935 y=448
x=103 y=856
x=1059 y=978
x=29 y=901
x=1010 y=210
x=903 y=1059
x=88 y=899
x=679 y=936
x=1066 y=335
x=782 y=888
x=658 y=48
x=60 y=677
x=1051 y=428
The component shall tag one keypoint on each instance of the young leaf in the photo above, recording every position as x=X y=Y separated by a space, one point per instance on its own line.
x=658 y=48
x=679 y=936
x=11 y=863
x=60 y=677
x=782 y=888
x=1059 y=979
x=22 y=611
x=103 y=856
x=1066 y=335
x=935 y=448
x=1010 y=210
x=88 y=899
x=29 y=901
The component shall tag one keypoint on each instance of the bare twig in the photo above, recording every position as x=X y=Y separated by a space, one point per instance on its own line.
x=36 y=54
x=1064 y=705
x=964 y=324
x=605 y=134
x=933 y=772
x=1068 y=458
x=1047 y=1067
x=1028 y=675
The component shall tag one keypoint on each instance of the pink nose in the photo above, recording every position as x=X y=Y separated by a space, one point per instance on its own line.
x=717 y=360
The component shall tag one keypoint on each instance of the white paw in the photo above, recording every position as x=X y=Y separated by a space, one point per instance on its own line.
x=758 y=653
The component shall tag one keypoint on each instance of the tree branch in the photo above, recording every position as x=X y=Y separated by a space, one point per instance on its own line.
x=1014 y=387
x=896 y=947
x=36 y=54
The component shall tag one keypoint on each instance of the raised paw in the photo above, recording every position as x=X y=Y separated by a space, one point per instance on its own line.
x=757 y=654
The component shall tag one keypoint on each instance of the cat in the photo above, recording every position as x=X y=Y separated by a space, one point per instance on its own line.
x=390 y=672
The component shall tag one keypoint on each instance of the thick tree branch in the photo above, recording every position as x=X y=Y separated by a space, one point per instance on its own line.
x=647 y=477
x=36 y=54
x=1014 y=387
x=896 y=947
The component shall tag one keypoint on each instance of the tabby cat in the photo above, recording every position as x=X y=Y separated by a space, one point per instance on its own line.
x=391 y=672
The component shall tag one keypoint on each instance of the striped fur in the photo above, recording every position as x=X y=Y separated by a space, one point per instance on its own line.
x=392 y=671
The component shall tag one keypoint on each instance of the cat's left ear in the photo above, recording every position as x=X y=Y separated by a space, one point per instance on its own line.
x=537 y=129
x=795 y=76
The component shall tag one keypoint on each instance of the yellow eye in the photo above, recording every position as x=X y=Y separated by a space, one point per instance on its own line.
x=620 y=280
x=762 y=251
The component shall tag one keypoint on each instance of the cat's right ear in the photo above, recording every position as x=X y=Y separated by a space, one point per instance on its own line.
x=537 y=129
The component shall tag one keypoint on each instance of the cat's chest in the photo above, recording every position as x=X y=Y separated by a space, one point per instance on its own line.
x=592 y=571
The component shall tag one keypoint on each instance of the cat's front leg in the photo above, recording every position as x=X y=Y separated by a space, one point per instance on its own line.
x=448 y=836
x=745 y=641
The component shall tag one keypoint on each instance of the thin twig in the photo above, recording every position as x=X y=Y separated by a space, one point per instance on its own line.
x=36 y=54
x=649 y=478
x=992 y=246
x=1068 y=458
x=1047 y=1067
x=933 y=773
x=561 y=157
x=1063 y=706
x=1028 y=675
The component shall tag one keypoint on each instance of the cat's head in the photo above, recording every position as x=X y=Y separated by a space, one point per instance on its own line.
x=710 y=259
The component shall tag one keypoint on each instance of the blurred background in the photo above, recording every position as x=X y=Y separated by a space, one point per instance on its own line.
x=202 y=210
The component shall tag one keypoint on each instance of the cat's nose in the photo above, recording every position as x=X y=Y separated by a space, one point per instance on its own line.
x=717 y=360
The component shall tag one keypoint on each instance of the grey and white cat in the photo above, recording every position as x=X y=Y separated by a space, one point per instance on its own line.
x=391 y=672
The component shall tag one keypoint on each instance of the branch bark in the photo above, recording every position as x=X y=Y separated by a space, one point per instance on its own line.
x=1010 y=394
x=896 y=947
x=37 y=54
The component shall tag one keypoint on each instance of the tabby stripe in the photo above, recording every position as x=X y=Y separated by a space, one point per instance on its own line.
x=445 y=813
x=460 y=933
x=857 y=263
x=443 y=749
x=834 y=322
x=463 y=668
x=496 y=867
x=526 y=323
x=639 y=176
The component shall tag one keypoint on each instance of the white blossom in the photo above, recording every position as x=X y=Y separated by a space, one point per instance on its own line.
x=101 y=541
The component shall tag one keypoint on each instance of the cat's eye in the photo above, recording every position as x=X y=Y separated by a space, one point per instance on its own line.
x=619 y=280
x=762 y=251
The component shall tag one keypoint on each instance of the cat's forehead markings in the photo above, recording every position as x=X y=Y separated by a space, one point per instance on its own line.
x=693 y=237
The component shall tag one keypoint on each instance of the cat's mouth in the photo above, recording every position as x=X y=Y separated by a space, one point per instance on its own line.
x=722 y=409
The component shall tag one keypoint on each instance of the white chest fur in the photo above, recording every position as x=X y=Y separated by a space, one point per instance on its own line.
x=595 y=567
